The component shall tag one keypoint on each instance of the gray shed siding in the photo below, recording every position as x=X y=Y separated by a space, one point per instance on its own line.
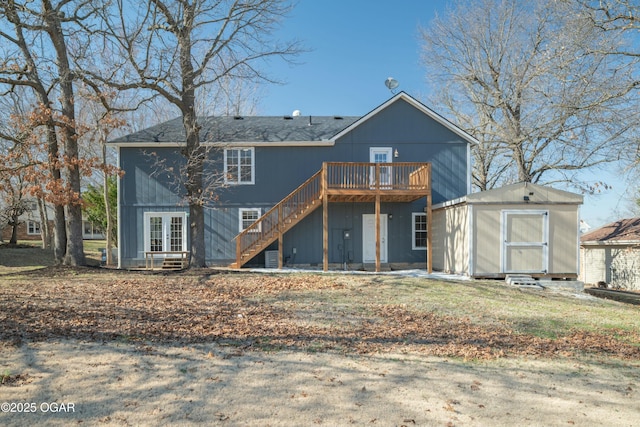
x=281 y=169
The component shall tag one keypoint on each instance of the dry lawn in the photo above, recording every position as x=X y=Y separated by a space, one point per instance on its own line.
x=226 y=348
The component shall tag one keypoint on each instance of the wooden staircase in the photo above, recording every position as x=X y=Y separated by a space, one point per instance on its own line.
x=278 y=220
x=335 y=182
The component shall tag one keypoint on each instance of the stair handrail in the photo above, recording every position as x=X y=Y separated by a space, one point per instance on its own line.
x=258 y=229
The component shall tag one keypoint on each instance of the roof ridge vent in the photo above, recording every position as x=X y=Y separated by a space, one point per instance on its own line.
x=338 y=118
x=287 y=118
x=238 y=118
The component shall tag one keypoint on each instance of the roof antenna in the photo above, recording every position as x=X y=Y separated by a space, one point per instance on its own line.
x=391 y=84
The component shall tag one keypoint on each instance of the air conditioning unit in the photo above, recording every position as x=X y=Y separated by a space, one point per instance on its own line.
x=271 y=259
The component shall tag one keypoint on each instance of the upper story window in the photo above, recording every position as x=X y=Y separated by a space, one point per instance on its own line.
x=239 y=166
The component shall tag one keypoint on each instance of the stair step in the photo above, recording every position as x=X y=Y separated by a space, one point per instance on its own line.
x=173 y=263
x=295 y=211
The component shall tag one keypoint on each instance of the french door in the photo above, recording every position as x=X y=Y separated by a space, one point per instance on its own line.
x=165 y=232
x=381 y=155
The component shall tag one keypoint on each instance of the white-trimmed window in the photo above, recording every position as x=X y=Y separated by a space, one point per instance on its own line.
x=419 y=230
x=248 y=216
x=239 y=166
x=33 y=227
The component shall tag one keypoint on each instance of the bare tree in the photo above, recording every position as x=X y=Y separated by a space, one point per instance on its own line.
x=616 y=16
x=12 y=203
x=174 y=49
x=533 y=82
x=37 y=36
x=101 y=121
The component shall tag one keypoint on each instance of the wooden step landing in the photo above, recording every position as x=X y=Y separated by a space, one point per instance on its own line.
x=173 y=263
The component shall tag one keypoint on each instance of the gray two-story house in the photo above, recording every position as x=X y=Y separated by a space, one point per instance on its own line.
x=335 y=190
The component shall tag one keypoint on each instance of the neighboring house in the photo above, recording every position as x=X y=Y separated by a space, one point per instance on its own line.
x=611 y=254
x=521 y=228
x=374 y=177
x=91 y=231
x=28 y=225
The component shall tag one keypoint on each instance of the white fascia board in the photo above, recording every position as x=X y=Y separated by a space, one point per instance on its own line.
x=323 y=143
x=449 y=203
x=145 y=144
x=610 y=243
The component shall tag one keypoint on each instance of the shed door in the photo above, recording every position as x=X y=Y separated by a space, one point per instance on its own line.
x=525 y=237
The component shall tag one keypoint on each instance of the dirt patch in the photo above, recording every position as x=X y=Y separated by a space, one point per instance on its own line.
x=121 y=384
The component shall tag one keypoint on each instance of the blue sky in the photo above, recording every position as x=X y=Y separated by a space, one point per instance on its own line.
x=354 y=45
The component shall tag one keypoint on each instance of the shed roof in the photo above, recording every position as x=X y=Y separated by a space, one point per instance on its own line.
x=521 y=192
x=623 y=230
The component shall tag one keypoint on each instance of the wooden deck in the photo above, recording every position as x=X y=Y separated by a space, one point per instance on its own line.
x=339 y=182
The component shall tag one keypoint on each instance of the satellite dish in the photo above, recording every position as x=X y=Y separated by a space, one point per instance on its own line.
x=391 y=83
x=296 y=113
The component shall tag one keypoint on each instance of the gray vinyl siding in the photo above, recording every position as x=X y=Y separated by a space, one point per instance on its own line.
x=143 y=183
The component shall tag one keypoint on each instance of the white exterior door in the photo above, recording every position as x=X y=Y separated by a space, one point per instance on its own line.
x=165 y=232
x=369 y=238
x=381 y=155
x=525 y=237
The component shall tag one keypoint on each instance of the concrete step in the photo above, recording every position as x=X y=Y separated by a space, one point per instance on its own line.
x=522 y=280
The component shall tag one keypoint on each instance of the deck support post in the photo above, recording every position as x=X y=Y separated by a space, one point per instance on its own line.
x=429 y=221
x=377 y=218
x=377 y=233
x=325 y=219
x=280 y=240
x=429 y=241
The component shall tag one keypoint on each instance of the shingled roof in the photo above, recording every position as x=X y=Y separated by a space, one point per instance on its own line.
x=235 y=129
x=624 y=230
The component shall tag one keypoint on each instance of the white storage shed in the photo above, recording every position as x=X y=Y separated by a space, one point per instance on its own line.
x=521 y=228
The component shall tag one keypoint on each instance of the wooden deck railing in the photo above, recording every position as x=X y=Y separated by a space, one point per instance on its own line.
x=385 y=176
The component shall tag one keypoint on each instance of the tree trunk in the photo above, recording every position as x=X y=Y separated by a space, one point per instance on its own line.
x=107 y=203
x=75 y=244
x=195 y=165
x=75 y=248
x=195 y=155
x=14 y=230
x=45 y=231
x=59 y=235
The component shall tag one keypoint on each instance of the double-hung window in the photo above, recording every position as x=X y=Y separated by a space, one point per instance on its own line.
x=33 y=227
x=239 y=166
x=419 y=231
x=247 y=217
